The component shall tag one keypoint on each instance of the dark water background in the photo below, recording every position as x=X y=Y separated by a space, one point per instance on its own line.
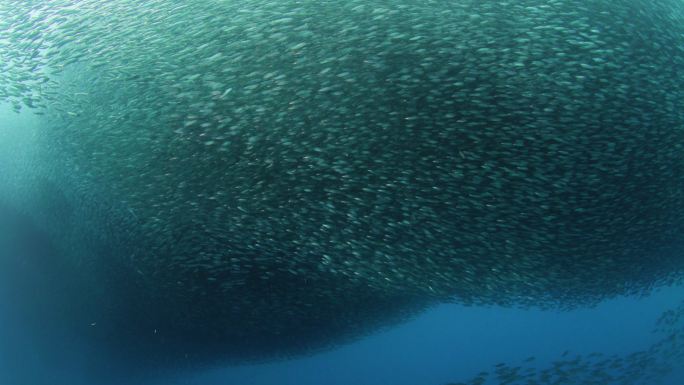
x=453 y=342
x=445 y=344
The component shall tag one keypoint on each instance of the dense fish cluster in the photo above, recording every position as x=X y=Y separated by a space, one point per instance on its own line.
x=299 y=171
x=645 y=367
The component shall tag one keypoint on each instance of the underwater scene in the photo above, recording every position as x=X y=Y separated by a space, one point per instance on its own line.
x=362 y=192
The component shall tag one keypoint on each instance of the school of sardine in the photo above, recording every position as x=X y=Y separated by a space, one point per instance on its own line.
x=295 y=173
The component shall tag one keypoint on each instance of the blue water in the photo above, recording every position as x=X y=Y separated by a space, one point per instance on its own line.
x=446 y=344
x=451 y=343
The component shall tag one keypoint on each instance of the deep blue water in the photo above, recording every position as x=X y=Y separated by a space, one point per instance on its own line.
x=452 y=342
x=448 y=343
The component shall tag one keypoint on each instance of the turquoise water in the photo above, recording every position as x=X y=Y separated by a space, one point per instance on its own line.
x=366 y=192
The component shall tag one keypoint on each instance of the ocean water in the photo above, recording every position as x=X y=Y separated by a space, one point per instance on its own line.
x=364 y=192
